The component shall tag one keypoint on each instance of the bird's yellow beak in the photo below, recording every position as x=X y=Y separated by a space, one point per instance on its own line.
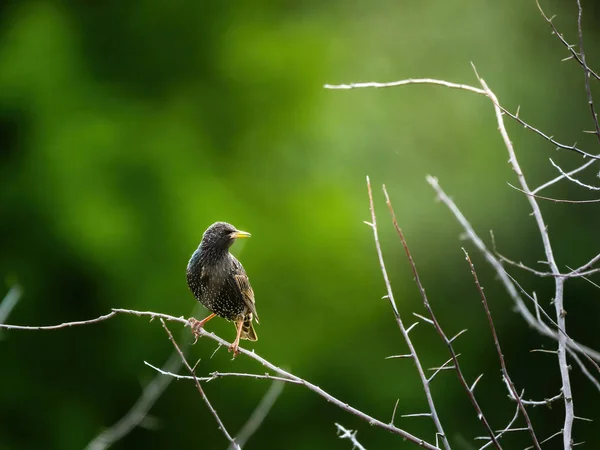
x=241 y=234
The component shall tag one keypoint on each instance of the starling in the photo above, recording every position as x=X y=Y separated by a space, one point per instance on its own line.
x=218 y=281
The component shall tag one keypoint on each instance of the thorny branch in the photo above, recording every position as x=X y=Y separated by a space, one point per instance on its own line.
x=250 y=354
x=199 y=387
x=558 y=281
x=438 y=327
x=413 y=353
x=505 y=375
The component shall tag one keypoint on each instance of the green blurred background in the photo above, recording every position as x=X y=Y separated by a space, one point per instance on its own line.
x=126 y=128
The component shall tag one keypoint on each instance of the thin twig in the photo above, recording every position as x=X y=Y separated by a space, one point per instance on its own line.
x=438 y=327
x=587 y=265
x=569 y=47
x=199 y=387
x=574 y=180
x=390 y=295
x=259 y=414
x=217 y=375
x=508 y=427
x=505 y=375
x=586 y=71
x=561 y=177
x=555 y=200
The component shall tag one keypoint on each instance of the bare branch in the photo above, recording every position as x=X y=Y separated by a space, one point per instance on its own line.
x=199 y=387
x=390 y=295
x=587 y=71
x=586 y=266
x=558 y=281
x=546 y=402
x=436 y=324
x=555 y=200
x=252 y=355
x=574 y=180
x=561 y=177
x=570 y=48
x=501 y=433
x=505 y=374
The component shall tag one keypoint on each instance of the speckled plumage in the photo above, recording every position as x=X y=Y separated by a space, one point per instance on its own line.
x=218 y=280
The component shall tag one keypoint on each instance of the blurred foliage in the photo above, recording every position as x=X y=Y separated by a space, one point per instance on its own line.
x=126 y=128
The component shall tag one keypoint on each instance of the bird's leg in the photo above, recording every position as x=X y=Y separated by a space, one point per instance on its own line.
x=196 y=324
x=234 y=347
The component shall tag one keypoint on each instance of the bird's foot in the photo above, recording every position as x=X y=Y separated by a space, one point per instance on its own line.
x=235 y=348
x=196 y=325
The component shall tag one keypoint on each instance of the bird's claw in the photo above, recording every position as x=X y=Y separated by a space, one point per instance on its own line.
x=235 y=349
x=196 y=326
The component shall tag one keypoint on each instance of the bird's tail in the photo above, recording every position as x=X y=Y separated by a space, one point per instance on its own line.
x=248 y=329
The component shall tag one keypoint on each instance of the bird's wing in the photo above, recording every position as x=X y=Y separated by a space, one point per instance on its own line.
x=247 y=293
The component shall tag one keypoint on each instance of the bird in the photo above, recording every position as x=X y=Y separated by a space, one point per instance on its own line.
x=218 y=281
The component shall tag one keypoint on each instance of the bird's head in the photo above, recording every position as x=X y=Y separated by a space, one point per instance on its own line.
x=220 y=235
